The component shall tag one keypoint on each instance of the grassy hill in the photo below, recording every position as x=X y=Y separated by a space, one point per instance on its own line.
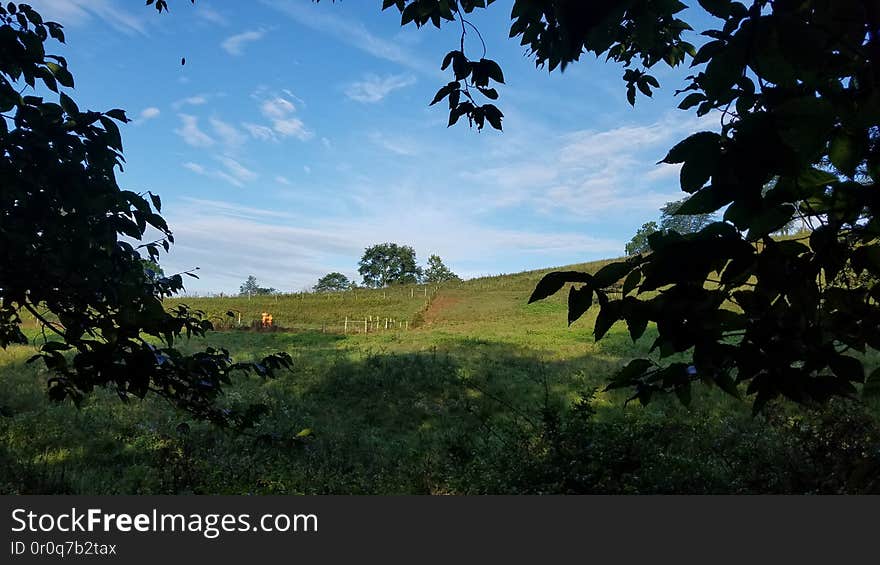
x=470 y=390
x=403 y=303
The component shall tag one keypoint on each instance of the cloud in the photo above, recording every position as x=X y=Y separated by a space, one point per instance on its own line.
x=150 y=113
x=292 y=127
x=326 y=20
x=263 y=133
x=587 y=174
x=197 y=100
x=374 y=88
x=146 y=114
x=212 y=16
x=282 y=121
x=195 y=167
x=81 y=12
x=237 y=170
x=228 y=134
x=231 y=172
x=235 y=44
x=664 y=172
x=277 y=108
x=398 y=146
x=282 y=180
x=191 y=134
x=289 y=251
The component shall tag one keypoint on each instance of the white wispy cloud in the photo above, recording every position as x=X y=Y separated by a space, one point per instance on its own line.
x=210 y=15
x=80 y=12
x=237 y=170
x=664 y=172
x=292 y=127
x=196 y=100
x=289 y=251
x=195 y=167
x=190 y=132
x=263 y=133
x=351 y=32
x=283 y=122
x=146 y=115
x=277 y=108
x=374 y=88
x=150 y=113
x=231 y=171
x=587 y=173
x=234 y=45
x=396 y=145
x=229 y=135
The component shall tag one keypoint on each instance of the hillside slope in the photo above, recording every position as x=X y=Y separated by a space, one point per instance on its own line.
x=404 y=307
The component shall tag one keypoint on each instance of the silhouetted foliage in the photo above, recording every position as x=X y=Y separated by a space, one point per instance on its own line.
x=62 y=258
x=797 y=88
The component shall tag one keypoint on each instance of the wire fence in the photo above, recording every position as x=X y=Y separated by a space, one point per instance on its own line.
x=368 y=324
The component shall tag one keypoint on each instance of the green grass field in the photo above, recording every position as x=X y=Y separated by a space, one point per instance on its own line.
x=482 y=393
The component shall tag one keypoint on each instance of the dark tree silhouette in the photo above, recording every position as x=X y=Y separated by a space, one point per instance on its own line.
x=63 y=260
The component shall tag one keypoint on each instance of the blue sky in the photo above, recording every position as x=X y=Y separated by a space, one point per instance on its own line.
x=298 y=134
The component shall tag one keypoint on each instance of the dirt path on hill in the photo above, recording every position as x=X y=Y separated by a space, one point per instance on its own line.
x=438 y=306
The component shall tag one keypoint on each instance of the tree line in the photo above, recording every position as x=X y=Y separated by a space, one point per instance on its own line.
x=382 y=265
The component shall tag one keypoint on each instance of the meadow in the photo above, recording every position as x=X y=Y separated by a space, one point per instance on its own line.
x=469 y=390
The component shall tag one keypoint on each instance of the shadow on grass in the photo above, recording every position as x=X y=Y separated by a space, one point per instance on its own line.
x=473 y=416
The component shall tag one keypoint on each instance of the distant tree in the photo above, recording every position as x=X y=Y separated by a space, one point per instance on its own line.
x=670 y=220
x=251 y=288
x=332 y=282
x=639 y=242
x=389 y=263
x=437 y=272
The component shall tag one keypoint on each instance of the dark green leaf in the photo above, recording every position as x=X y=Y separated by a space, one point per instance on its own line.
x=553 y=283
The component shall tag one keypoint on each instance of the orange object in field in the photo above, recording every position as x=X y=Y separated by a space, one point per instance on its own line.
x=266 y=320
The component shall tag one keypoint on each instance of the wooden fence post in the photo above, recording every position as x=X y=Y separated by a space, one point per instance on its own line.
x=365 y=325
x=346 y=325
